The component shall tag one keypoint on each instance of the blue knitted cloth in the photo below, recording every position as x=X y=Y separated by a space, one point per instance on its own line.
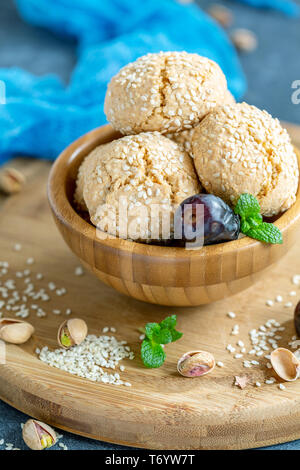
x=41 y=116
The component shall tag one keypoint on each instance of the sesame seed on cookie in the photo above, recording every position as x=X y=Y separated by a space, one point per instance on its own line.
x=166 y=92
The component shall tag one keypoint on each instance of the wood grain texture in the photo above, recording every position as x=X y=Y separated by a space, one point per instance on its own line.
x=156 y=274
x=161 y=410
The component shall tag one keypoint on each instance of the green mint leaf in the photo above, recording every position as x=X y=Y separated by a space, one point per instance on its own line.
x=245 y=226
x=164 y=336
x=255 y=220
x=247 y=206
x=252 y=223
x=175 y=335
x=169 y=322
x=266 y=232
x=152 y=355
x=152 y=329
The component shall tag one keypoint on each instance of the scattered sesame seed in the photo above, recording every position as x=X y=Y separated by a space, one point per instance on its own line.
x=79 y=271
x=296 y=279
x=230 y=348
x=270 y=381
x=231 y=314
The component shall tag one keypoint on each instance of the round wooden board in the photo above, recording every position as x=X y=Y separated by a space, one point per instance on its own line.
x=161 y=410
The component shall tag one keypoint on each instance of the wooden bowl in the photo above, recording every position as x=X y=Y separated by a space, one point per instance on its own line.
x=157 y=274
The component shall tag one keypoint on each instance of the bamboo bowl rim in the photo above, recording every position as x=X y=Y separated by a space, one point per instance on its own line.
x=65 y=212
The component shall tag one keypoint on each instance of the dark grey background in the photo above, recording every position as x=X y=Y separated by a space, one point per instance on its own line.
x=270 y=71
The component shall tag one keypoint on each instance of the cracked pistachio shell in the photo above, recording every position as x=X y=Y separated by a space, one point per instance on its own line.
x=196 y=363
x=76 y=330
x=38 y=435
x=285 y=364
x=15 y=331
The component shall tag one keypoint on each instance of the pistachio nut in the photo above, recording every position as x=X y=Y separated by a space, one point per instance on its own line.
x=297 y=319
x=285 y=364
x=196 y=363
x=15 y=331
x=38 y=435
x=11 y=180
x=72 y=332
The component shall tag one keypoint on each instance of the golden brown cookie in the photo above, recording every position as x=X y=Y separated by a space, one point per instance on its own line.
x=143 y=172
x=241 y=149
x=165 y=92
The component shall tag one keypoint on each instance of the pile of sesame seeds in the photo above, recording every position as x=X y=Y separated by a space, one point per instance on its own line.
x=92 y=358
x=21 y=297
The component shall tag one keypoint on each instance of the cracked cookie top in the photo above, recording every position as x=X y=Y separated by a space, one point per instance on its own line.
x=240 y=149
x=145 y=172
x=166 y=92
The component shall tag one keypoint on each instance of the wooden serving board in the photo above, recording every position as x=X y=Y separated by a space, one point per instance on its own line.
x=161 y=410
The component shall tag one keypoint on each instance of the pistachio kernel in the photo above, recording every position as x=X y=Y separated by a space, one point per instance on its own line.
x=38 y=435
x=46 y=441
x=72 y=332
x=65 y=338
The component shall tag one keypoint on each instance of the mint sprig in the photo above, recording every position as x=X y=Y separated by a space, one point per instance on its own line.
x=152 y=352
x=252 y=223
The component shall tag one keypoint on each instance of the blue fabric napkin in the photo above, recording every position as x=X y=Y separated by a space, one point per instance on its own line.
x=42 y=115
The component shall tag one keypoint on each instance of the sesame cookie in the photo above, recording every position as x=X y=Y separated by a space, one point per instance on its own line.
x=144 y=173
x=241 y=149
x=165 y=92
x=184 y=138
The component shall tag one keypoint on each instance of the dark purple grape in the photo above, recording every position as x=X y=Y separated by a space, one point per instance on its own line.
x=221 y=224
x=297 y=318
